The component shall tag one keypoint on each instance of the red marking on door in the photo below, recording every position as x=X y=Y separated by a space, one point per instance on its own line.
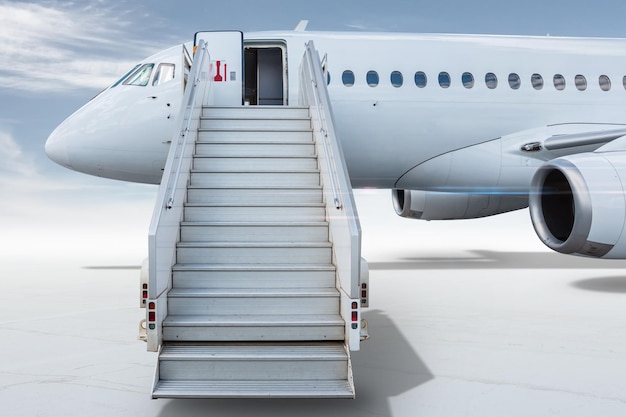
x=225 y=73
x=218 y=76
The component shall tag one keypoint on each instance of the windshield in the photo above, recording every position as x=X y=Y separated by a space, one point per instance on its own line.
x=141 y=76
x=124 y=76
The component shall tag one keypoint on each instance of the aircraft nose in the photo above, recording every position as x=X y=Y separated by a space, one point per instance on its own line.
x=56 y=149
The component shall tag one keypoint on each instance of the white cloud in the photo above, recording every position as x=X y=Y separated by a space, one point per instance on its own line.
x=14 y=161
x=20 y=172
x=58 y=46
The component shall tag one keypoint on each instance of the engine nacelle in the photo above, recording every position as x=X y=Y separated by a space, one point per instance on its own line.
x=433 y=205
x=577 y=204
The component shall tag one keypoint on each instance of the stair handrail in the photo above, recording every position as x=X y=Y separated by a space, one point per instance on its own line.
x=323 y=126
x=345 y=229
x=186 y=119
x=168 y=209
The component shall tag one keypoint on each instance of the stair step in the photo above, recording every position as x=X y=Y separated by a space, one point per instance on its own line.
x=272 y=149
x=315 y=351
x=250 y=137
x=255 y=293
x=272 y=125
x=202 y=301
x=254 y=253
x=253 y=163
x=254 y=362
x=256 y=112
x=285 y=178
x=285 y=195
x=254 y=389
x=253 y=276
x=233 y=328
x=260 y=213
x=254 y=232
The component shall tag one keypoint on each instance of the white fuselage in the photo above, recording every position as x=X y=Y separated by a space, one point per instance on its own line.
x=410 y=130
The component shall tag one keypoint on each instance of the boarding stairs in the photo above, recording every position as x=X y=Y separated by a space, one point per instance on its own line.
x=253 y=308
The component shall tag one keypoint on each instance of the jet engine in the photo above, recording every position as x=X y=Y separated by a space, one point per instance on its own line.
x=434 y=205
x=577 y=204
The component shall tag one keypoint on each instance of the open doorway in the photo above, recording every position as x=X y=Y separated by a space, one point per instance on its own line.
x=265 y=79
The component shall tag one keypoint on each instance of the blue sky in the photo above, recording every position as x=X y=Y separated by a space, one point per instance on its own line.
x=56 y=55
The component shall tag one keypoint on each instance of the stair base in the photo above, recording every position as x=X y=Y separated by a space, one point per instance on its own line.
x=253 y=389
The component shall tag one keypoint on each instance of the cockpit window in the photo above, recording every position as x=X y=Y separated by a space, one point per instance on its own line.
x=118 y=82
x=141 y=76
x=164 y=73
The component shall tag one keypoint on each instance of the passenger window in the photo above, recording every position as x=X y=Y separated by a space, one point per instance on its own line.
x=347 y=78
x=624 y=81
x=514 y=81
x=396 y=79
x=581 y=82
x=420 y=79
x=605 y=82
x=559 y=82
x=372 y=78
x=537 y=81
x=164 y=73
x=327 y=78
x=491 y=80
x=468 y=80
x=444 y=79
x=141 y=76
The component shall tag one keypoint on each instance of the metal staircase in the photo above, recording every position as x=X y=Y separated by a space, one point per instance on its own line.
x=253 y=308
x=246 y=299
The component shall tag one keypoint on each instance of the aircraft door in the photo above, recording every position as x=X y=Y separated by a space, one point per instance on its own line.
x=265 y=74
x=226 y=51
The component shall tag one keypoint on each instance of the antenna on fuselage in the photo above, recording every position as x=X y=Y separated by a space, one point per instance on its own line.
x=301 y=26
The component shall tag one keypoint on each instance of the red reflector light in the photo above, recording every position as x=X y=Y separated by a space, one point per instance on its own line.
x=363 y=294
x=145 y=286
x=151 y=316
x=355 y=305
x=152 y=306
x=355 y=316
x=364 y=285
x=145 y=294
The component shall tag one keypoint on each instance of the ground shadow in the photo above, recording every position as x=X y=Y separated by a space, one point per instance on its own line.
x=113 y=267
x=615 y=285
x=385 y=367
x=484 y=259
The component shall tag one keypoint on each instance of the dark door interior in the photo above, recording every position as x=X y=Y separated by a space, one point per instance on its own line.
x=264 y=84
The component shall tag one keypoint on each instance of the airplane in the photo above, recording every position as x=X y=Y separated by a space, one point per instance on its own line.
x=457 y=126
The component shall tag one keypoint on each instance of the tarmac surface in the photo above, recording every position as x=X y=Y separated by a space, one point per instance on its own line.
x=467 y=319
